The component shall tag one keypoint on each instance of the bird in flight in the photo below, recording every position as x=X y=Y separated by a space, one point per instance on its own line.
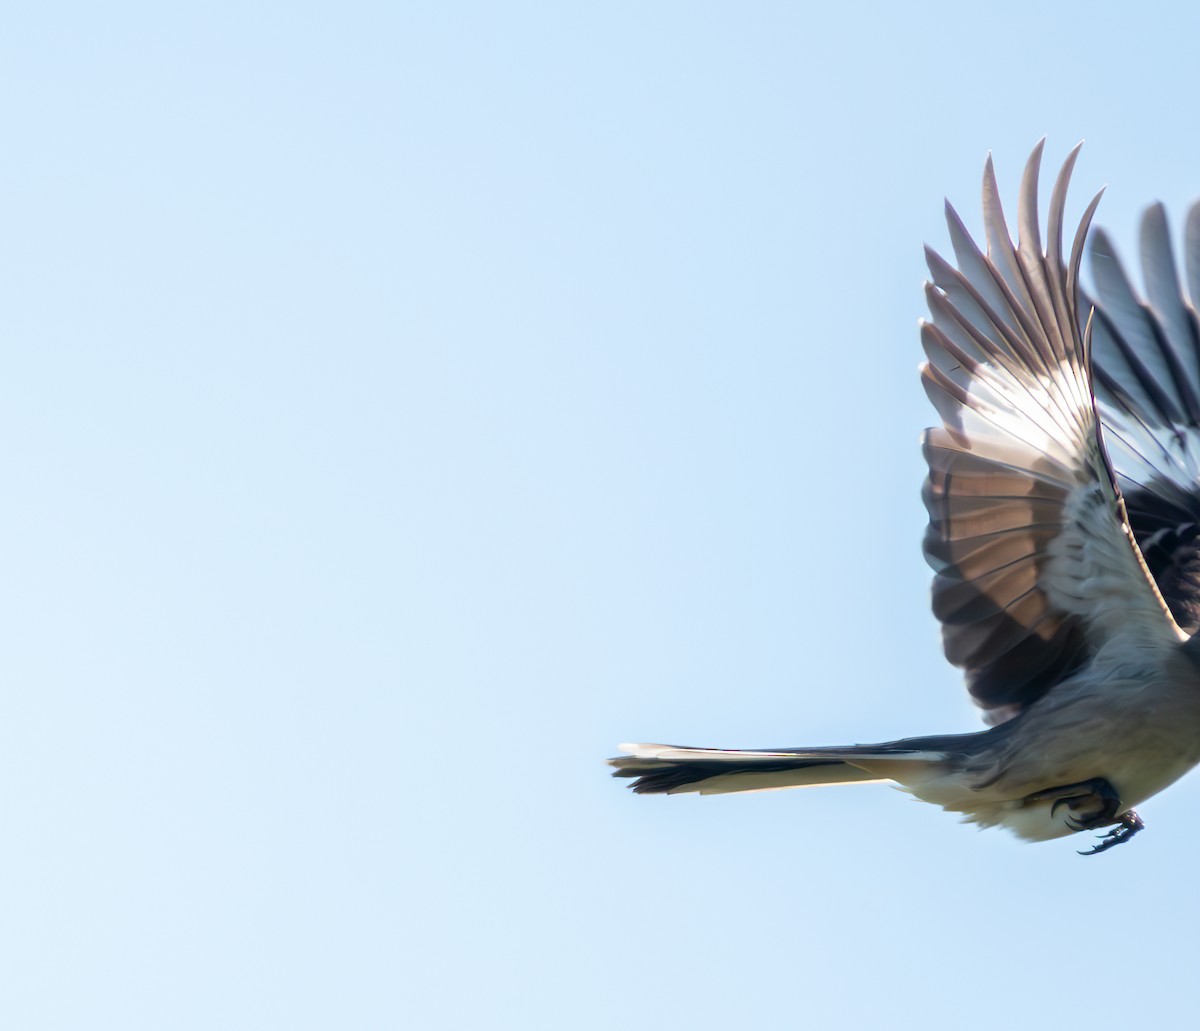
x=1064 y=535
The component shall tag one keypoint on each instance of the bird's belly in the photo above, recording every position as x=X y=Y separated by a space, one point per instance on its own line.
x=1138 y=749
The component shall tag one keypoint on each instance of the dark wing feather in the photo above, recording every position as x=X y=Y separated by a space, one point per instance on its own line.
x=1036 y=570
x=1147 y=371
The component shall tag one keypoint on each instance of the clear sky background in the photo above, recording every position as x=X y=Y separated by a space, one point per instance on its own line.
x=403 y=404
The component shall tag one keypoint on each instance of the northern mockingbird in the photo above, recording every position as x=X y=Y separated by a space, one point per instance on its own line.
x=1064 y=516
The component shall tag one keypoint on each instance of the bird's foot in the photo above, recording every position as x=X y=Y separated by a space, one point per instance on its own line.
x=1093 y=804
x=1130 y=824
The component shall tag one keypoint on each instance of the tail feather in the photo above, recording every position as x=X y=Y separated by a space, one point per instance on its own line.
x=672 y=769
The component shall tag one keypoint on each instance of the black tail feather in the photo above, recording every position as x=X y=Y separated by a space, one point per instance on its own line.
x=660 y=776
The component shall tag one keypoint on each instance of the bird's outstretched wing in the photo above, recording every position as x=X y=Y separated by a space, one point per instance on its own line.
x=1146 y=356
x=1036 y=565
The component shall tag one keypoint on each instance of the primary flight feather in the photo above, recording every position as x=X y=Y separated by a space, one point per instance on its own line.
x=1064 y=534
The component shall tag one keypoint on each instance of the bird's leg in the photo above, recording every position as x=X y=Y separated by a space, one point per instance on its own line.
x=1093 y=803
x=1096 y=798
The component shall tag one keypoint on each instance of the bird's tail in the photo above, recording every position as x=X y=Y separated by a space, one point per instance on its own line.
x=671 y=769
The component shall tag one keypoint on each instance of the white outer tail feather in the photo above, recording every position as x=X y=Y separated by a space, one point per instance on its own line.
x=827 y=766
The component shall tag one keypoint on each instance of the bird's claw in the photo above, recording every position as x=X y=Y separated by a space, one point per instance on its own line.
x=1130 y=824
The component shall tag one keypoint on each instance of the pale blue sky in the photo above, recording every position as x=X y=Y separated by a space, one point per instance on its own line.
x=403 y=404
